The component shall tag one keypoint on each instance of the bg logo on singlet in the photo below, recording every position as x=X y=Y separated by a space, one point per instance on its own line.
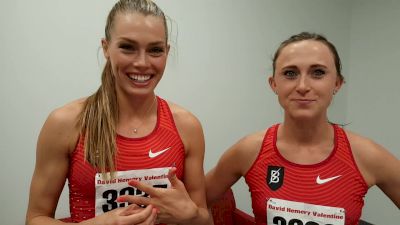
x=275 y=176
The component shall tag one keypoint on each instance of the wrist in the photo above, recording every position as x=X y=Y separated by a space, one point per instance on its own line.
x=199 y=216
x=191 y=213
x=194 y=215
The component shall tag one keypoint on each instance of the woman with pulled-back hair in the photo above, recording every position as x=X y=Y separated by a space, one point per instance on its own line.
x=123 y=133
x=306 y=170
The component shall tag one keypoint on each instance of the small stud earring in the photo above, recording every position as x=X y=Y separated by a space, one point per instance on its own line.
x=334 y=92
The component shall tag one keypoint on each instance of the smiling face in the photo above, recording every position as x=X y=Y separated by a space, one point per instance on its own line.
x=305 y=79
x=137 y=50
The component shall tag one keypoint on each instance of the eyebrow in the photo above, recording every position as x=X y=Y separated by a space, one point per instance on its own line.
x=289 y=67
x=318 y=65
x=135 y=42
x=312 y=66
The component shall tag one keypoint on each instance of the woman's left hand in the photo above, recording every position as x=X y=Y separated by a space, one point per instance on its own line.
x=173 y=205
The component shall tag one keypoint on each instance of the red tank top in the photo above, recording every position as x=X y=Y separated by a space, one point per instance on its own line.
x=137 y=157
x=329 y=192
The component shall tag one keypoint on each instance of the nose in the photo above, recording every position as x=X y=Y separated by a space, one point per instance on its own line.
x=141 y=59
x=303 y=86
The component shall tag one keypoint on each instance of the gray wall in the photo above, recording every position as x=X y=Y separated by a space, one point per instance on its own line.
x=373 y=107
x=219 y=63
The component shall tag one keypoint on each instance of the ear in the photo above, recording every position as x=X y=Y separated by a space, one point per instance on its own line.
x=272 y=83
x=104 y=45
x=338 y=84
x=168 y=47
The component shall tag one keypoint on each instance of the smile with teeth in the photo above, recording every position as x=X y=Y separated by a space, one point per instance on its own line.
x=139 y=78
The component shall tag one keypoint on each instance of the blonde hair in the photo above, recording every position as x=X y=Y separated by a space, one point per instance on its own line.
x=99 y=116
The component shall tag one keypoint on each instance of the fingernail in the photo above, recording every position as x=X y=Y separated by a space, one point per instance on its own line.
x=121 y=199
x=132 y=182
x=155 y=209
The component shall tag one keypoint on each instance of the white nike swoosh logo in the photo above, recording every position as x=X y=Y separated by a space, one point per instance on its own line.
x=323 y=181
x=155 y=154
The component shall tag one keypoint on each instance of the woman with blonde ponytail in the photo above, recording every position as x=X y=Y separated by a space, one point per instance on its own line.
x=124 y=151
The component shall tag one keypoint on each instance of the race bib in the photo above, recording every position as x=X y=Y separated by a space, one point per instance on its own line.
x=107 y=191
x=283 y=212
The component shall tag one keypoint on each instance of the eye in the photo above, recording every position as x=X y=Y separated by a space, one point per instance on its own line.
x=156 y=51
x=127 y=47
x=318 y=73
x=290 y=74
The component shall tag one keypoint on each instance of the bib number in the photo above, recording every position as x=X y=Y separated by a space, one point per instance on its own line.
x=107 y=191
x=281 y=221
x=112 y=195
x=283 y=212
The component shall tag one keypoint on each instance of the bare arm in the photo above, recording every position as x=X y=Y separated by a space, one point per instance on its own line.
x=377 y=165
x=192 y=134
x=56 y=139
x=387 y=176
x=233 y=164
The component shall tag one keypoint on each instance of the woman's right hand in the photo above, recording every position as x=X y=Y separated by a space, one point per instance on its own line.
x=130 y=215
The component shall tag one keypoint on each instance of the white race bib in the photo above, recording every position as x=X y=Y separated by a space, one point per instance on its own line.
x=107 y=191
x=283 y=212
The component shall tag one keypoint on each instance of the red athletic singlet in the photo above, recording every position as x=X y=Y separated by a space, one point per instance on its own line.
x=329 y=192
x=145 y=159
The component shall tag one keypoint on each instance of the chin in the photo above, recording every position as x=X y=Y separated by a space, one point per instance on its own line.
x=142 y=92
x=303 y=115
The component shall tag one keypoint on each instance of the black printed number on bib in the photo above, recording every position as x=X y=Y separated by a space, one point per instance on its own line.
x=281 y=221
x=111 y=196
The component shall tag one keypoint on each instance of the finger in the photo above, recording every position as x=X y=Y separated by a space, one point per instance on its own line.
x=138 y=200
x=131 y=209
x=143 y=187
x=139 y=217
x=173 y=179
x=152 y=219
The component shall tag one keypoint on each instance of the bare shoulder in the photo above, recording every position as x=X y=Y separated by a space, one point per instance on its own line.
x=69 y=111
x=244 y=152
x=250 y=143
x=182 y=116
x=364 y=148
x=189 y=128
x=66 y=115
x=360 y=143
x=61 y=124
x=371 y=158
x=233 y=164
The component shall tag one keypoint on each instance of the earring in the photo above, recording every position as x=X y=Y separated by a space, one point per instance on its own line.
x=334 y=92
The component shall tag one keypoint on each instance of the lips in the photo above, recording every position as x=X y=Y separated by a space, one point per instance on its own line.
x=302 y=101
x=140 y=78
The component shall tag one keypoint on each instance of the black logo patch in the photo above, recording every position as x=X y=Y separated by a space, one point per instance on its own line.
x=275 y=176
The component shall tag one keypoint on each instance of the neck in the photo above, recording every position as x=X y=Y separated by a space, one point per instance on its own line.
x=306 y=131
x=137 y=116
x=137 y=107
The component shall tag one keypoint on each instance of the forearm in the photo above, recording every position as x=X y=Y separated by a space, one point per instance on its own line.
x=202 y=217
x=45 y=220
